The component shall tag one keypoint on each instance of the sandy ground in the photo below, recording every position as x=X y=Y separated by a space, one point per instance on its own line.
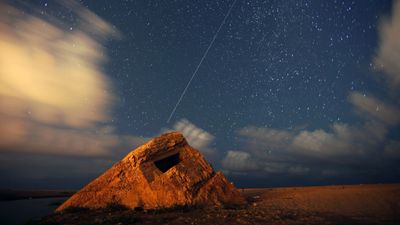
x=355 y=204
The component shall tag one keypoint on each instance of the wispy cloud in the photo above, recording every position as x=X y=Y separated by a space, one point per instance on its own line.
x=388 y=54
x=55 y=98
x=297 y=152
x=269 y=138
x=392 y=150
x=375 y=108
x=341 y=140
x=239 y=161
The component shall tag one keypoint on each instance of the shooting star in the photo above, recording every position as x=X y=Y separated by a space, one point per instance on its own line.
x=201 y=61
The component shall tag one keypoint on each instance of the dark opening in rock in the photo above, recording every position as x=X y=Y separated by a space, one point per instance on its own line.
x=166 y=163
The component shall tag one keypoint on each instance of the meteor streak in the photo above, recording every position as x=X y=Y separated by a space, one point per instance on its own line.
x=201 y=61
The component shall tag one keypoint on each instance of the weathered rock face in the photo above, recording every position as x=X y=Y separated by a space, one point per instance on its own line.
x=164 y=172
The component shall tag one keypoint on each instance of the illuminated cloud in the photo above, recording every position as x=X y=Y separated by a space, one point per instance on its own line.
x=388 y=54
x=53 y=93
x=51 y=75
x=196 y=137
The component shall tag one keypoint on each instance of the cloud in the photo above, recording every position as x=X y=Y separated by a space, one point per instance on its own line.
x=392 y=150
x=298 y=152
x=298 y=170
x=239 y=161
x=268 y=137
x=50 y=74
x=266 y=144
x=341 y=140
x=280 y=168
x=196 y=137
x=375 y=108
x=55 y=98
x=388 y=54
x=25 y=136
x=272 y=167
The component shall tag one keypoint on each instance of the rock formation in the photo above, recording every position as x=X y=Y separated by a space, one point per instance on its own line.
x=164 y=172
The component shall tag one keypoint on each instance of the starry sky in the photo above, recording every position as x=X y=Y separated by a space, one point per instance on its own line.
x=296 y=92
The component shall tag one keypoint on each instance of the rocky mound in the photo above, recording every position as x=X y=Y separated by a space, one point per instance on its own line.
x=164 y=172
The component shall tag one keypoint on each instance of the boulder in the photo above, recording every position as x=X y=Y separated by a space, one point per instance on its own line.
x=164 y=172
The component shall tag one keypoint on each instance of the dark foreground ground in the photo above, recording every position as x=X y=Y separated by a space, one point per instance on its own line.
x=356 y=204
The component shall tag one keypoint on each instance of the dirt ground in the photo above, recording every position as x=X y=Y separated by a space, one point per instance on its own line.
x=353 y=204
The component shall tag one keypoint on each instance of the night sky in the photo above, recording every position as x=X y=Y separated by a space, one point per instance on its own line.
x=295 y=92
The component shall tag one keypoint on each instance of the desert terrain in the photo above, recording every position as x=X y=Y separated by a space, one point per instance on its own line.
x=347 y=204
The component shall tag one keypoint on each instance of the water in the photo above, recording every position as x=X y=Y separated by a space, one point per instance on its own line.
x=21 y=211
